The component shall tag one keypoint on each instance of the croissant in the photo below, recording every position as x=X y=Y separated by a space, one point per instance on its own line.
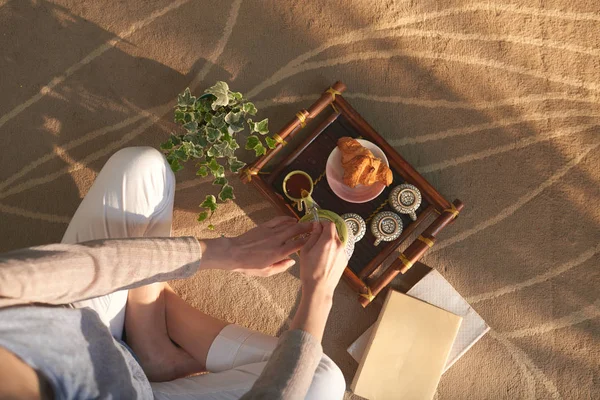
x=361 y=167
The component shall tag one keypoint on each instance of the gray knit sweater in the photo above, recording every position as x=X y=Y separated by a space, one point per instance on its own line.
x=65 y=273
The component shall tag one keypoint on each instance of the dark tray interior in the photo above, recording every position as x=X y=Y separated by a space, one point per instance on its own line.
x=312 y=161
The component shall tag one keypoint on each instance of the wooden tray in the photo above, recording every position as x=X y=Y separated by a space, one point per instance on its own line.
x=311 y=156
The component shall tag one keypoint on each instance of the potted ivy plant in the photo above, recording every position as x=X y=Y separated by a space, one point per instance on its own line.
x=210 y=127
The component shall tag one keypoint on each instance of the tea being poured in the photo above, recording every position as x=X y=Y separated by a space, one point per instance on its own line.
x=298 y=186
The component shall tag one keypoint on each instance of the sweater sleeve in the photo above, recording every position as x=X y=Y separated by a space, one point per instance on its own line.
x=290 y=369
x=65 y=273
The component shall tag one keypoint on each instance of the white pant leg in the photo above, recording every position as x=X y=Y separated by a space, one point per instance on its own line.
x=236 y=359
x=131 y=197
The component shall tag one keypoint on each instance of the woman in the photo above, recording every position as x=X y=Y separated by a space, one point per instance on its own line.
x=134 y=337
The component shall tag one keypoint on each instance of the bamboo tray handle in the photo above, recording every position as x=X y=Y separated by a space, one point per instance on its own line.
x=301 y=118
x=412 y=254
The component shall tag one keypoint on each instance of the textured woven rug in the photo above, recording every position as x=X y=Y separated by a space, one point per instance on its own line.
x=496 y=103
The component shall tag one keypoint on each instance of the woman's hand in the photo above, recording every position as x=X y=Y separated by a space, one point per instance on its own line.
x=322 y=260
x=322 y=263
x=262 y=251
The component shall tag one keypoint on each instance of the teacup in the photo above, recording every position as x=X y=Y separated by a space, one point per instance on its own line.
x=298 y=187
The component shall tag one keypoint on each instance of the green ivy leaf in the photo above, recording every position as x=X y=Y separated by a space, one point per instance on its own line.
x=260 y=150
x=212 y=152
x=236 y=95
x=249 y=108
x=228 y=151
x=234 y=120
x=198 y=117
x=175 y=139
x=201 y=140
x=233 y=117
x=221 y=91
x=218 y=120
x=179 y=116
x=236 y=127
x=208 y=118
x=272 y=143
x=219 y=150
x=262 y=127
x=186 y=99
x=202 y=104
x=226 y=193
x=202 y=216
x=210 y=202
x=196 y=151
x=220 y=181
x=252 y=142
x=235 y=165
x=212 y=134
x=216 y=169
x=234 y=145
x=220 y=172
x=181 y=154
x=222 y=150
x=190 y=138
x=202 y=171
x=168 y=145
x=175 y=166
x=191 y=127
x=185 y=149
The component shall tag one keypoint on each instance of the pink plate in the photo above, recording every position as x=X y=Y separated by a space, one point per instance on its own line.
x=335 y=174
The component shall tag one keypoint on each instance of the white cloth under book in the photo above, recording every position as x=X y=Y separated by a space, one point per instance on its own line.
x=436 y=290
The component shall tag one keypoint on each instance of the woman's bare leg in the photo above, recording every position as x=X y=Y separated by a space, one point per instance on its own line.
x=146 y=333
x=170 y=337
x=190 y=328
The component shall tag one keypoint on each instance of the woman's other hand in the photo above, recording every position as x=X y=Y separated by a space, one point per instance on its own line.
x=262 y=251
x=322 y=263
